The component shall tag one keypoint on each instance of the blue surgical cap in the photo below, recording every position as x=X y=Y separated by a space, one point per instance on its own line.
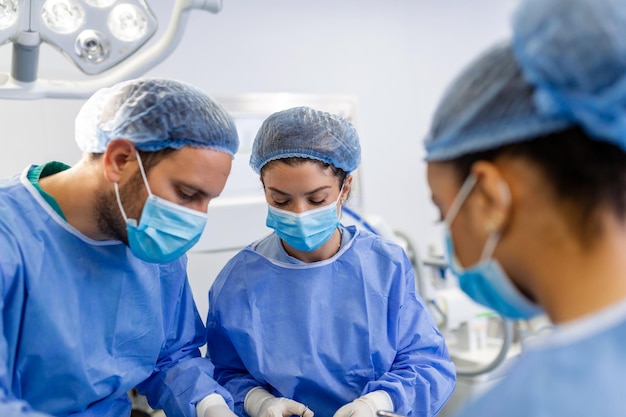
x=306 y=133
x=155 y=114
x=565 y=67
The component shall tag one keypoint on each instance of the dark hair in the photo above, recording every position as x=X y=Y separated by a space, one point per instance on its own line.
x=148 y=159
x=295 y=161
x=584 y=173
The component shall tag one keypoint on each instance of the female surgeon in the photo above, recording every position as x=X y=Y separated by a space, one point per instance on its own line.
x=527 y=164
x=318 y=317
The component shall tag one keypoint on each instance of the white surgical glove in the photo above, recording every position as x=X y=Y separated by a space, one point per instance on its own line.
x=366 y=405
x=213 y=405
x=260 y=403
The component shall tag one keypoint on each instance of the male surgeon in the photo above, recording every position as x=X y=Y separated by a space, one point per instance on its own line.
x=94 y=295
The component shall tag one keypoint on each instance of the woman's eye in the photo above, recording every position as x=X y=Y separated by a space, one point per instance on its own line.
x=317 y=202
x=281 y=203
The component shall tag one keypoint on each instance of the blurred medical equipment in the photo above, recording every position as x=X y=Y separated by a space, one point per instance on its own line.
x=97 y=35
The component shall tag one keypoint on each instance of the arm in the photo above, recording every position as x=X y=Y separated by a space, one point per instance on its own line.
x=181 y=377
x=422 y=376
x=11 y=303
x=229 y=368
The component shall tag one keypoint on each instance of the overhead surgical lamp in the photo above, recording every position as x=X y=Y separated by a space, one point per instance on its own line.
x=104 y=39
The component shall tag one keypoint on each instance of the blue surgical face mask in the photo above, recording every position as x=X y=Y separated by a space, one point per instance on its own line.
x=486 y=282
x=165 y=231
x=305 y=231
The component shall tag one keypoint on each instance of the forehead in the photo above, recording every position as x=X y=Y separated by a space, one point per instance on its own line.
x=205 y=169
x=443 y=179
x=302 y=175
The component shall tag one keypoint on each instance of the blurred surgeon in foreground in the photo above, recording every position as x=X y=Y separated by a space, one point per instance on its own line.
x=321 y=318
x=527 y=164
x=93 y=290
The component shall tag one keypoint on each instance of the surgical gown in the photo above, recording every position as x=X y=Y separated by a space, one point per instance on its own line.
x=325 y=333
x=579 y=370
x=84 y=321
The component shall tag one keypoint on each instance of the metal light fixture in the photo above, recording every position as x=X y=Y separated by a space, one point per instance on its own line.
x=97 y=35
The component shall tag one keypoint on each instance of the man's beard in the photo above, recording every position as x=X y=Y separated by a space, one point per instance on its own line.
x=110 y=220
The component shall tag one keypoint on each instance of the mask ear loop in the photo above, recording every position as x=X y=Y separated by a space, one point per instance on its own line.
x=117 y=190
x=143 y=174
x=339 y=200
x=494 y=237
x=466 y=188
x=119 y=201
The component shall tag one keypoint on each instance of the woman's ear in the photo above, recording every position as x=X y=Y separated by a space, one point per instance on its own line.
x=492 y=202
x=118 y=154
x=347 y=186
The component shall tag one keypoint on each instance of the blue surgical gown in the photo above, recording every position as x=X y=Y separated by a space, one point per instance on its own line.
x=579 y=370
x=84 y=321
x=325 y=333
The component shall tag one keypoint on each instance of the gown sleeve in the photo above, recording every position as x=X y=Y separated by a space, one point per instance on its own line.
x=229 y=368
x=422 y=376
x=181 y=377
x=9 y=297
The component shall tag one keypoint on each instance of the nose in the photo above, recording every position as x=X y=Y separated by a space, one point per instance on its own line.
x=201 y=205
x=299 y=206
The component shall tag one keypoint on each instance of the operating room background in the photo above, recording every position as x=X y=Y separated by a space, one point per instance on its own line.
x=395 y=57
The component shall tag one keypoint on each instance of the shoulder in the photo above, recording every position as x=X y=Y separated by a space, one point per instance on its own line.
x=559 y=381
x=244 y=262
x=366 y=241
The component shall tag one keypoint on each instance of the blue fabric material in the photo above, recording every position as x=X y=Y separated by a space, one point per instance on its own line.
x=574 y=53
x=166 y=230
x=573 y=378
x=328 y=332
x=271 y=247
x=154 y=114
x=84 y=321
x=565 y=66
x=304 y=132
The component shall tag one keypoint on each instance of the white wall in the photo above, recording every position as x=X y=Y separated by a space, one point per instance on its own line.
x=394 y=56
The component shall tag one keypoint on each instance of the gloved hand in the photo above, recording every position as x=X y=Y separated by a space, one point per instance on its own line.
x=260 y=403
x=366 y=405
x=213 y=405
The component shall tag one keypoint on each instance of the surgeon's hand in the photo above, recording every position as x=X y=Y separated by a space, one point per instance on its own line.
x=213 y=405
x=260 y=403
x=367 y=405
x=219 y=411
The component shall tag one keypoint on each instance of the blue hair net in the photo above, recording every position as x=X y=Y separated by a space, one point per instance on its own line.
x=154 y=114
x=566 y=66
x=306 y=133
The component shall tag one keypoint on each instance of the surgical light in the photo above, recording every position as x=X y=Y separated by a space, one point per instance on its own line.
x=95 y=38
x=128 y=23
x=8 y=13
x=96 y=35
x=93 y=47
x=62 y=16
x=100 y=3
